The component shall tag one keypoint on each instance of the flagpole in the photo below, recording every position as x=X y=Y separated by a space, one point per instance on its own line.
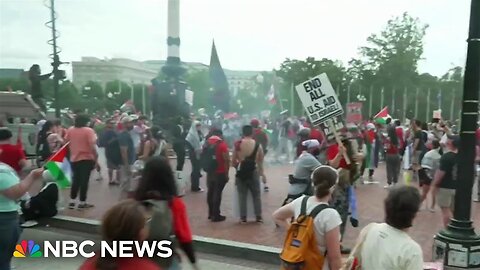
x=393 y=101
x=382 y=97
x=416 y=103
x=370 y=104
x=144 y=107
x=405 y=104
x=428 y=104
x=452 y=106
x=292 y=102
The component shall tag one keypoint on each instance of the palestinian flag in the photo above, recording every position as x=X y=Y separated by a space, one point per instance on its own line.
x=59 y=167
x=382 y=116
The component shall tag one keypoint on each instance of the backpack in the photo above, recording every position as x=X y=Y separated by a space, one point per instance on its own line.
x=208 y=157
x=248 y=166
x=160 y=226
x=300 y=250
x=43 y=147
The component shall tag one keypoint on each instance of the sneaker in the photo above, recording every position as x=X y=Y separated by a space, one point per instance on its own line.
x=71 y=205
x=243 y=220
x=220 y=218
x=199 y=190
x=266 y=189
x=387 y=186
x=29 y=224
x=432 y=210
x=84 y=206
x=259 y=220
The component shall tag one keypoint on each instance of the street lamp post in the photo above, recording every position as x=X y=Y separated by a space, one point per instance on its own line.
x=458 y=245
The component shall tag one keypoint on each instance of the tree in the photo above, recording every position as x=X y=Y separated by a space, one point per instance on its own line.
x=297 y=71
x=199 y=82
x=390 y=60
x=119 y=91
x=93 y=90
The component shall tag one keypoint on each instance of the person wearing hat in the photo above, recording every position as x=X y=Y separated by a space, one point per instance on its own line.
x=10 y=154
x=306 y=163
x=445 y=179
x=128 y=154
x=260 y=137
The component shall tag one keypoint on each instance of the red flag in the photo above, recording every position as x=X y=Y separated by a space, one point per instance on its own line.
x=382 y=114
x=60 y=155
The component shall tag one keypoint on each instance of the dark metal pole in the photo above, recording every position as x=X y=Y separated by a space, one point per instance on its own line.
x=56 y=61
x=466 y=155
x=460 y=241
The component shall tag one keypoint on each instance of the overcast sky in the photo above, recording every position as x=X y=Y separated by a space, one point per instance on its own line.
x=249 y=34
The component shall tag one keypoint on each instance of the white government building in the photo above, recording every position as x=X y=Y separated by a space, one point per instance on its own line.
x=131 y=71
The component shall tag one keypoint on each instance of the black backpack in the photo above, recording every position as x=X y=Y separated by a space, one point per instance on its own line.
x=248 y=166
x=208 y=158
x=43 y=146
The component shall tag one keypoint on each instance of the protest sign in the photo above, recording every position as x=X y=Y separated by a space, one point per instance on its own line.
x=329 y=129
x=354 y=112
x=319 y=99
x=437 y=114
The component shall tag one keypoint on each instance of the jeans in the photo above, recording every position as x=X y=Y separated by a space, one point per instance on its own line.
x=196 y=174
x=9 y=234
x=215 y=184
x=245 y=185
x=393 y=168
x=81 y=175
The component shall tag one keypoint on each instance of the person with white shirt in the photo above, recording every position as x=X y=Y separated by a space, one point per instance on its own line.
x=327 y=222
x=388 y=245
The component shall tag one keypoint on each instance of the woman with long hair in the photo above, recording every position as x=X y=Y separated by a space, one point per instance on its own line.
x=148 y=146
x=327 y=222
x=125 y=221
x=158 y=184
x=48 y=141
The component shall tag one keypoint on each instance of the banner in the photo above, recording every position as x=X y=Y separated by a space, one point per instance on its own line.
x=319 y=99
x=354 y=112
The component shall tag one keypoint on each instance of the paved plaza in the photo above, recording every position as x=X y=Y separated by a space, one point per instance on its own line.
x=370 y=205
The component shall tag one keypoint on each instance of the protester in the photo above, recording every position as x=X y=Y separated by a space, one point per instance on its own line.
x=300 y=181
x=158 y=184
x=391 y=146
x=430 y=165
x=248 y=160
x=260 y=137
x=11 y=189
x=125 y=221
x=217 y=177
x=83 y=157
x=326 y=222
x=194 y=141
x=48 y=141
x=388 y=245
x=11 y=154
x=418 y=146
x=109 y=140
x=148 y=146
x=444 y=182
x=127 y=151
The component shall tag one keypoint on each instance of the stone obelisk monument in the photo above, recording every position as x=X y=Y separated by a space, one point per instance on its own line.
x=170 y=110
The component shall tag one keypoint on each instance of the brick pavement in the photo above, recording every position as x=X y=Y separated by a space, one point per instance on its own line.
x=370 y=205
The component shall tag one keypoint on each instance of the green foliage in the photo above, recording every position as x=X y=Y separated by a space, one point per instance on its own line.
x=93 y=90
x=199 y=82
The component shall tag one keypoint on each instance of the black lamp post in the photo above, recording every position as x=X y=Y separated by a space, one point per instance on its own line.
x=458 y=245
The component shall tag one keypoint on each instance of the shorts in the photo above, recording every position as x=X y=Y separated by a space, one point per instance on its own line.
x=424 y=178
x=416 y=157
x=446 y=198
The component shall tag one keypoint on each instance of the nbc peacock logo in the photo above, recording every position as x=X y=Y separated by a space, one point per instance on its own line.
x=27 y=249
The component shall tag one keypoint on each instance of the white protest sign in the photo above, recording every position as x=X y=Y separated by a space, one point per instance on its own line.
x=319 y=99
x=437 y=114
x=189 y=97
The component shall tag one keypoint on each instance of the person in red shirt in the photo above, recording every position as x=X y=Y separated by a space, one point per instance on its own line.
x=216 y=180
x=11 y=154
x=259 y=135
x=158 y=183
x=124 y=221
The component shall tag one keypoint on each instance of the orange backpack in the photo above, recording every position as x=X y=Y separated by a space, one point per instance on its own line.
x=300 y=250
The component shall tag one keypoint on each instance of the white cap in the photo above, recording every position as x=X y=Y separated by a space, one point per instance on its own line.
x=370 y=126
x=311 y=143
